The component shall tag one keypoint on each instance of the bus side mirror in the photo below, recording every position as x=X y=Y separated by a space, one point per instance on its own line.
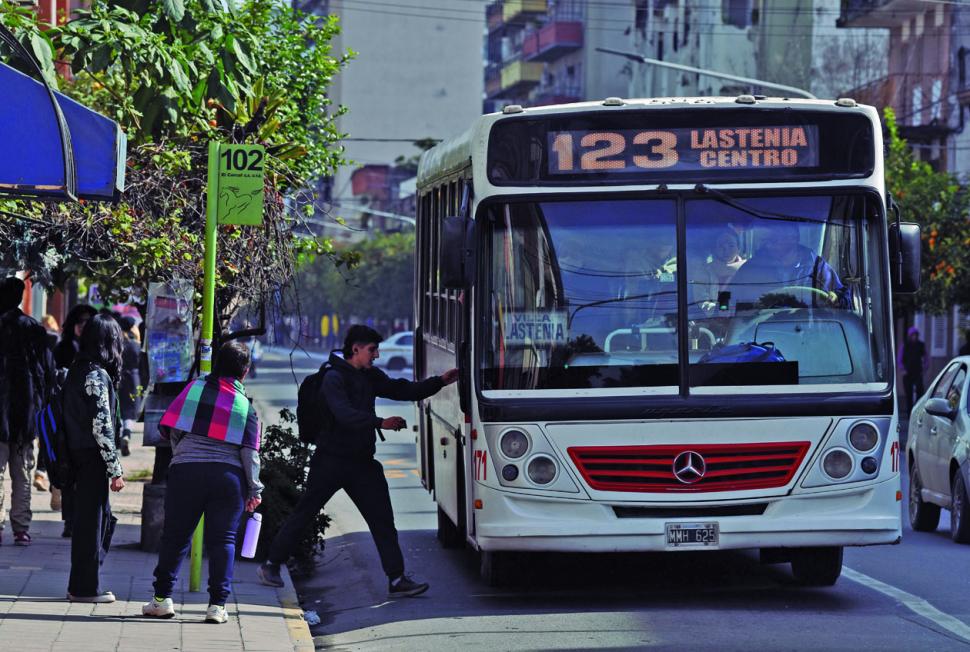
x=455 y=252
x=904 y=257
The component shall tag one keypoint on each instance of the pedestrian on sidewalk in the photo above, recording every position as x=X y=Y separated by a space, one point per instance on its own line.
x=64 y=354
x=26 y=373
x=91 y=423
x=130 y=381
x=344 y=458
x=41 y=480
x=214 y=470
x=913 y=361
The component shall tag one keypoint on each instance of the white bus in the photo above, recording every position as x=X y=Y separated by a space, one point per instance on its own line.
x=672 y=321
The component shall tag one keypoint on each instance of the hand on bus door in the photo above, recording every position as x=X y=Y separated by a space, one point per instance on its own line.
x=449 y=376
x=394 y=423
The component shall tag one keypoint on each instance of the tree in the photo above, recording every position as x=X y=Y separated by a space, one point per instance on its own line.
x=937 y=203
x=175 y=75
x=378 y=283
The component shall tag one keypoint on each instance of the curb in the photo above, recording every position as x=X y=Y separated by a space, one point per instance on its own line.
x=293 y=614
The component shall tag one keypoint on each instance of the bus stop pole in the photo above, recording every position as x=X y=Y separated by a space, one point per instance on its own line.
x=208 y=315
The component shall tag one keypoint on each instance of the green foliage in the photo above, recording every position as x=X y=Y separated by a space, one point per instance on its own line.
x=375 y=278
x=22 y=21
x=176 y=74
x=285 y=463
x=935 y=201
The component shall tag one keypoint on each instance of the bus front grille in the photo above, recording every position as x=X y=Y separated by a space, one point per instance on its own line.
x=682 y=468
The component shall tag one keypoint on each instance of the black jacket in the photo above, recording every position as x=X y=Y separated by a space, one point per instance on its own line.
x=26 y=374
x=91 y=414
x=130 y=379
x=350 y=395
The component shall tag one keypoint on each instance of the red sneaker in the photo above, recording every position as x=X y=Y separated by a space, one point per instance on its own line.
x=21 y=538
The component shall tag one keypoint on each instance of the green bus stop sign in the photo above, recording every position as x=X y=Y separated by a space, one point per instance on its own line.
x=240 y=184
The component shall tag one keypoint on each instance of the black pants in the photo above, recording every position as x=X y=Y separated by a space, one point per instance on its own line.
x=93 y=521
x=364 y=482
x=913 y=385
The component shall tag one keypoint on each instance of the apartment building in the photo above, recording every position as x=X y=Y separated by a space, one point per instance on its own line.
x=791 y=42
x=541 y=52
x=416 y=75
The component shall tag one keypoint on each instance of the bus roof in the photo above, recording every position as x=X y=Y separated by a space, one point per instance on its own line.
x=454 y=154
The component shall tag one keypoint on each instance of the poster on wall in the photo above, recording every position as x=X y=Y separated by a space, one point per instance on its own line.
x=171 y=348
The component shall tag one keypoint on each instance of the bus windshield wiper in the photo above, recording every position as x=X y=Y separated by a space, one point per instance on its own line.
x=725 y=198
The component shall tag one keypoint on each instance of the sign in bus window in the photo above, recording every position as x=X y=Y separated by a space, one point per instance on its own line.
x=539 y=328
x=683 y=149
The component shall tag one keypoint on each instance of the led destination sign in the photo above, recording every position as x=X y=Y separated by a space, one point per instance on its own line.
x=630 y=150
x=683 y=145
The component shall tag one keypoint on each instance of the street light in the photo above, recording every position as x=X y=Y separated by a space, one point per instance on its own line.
x=639 y=58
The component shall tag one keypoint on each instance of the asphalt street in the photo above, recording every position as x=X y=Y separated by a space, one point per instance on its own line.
x=911 y=596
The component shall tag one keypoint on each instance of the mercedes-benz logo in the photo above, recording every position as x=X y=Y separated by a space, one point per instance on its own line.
x=689 y=467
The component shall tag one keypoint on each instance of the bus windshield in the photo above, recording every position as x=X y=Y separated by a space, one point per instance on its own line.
x=782 y=292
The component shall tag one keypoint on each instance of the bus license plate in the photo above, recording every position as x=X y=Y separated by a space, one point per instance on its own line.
x=684 y=535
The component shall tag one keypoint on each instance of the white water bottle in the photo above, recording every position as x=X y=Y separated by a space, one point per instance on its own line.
x=251 y=538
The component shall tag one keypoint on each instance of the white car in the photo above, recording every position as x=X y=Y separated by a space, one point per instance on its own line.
x=397 y=351
x=937 y=452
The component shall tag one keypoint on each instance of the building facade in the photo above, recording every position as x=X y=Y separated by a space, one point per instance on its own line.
x=415 y=75
x=791 y=42
x=541 y=52
x=927 y=87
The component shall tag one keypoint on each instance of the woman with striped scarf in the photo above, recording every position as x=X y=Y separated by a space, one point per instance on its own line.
x=214 y=470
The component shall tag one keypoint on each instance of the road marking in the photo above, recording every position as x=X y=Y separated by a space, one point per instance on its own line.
x=914 y=603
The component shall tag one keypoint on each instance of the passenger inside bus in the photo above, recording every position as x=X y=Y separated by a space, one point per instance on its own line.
x=783 y=273
x=718 y=269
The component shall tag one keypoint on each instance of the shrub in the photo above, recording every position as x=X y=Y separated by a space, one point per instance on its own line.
x=285 y=464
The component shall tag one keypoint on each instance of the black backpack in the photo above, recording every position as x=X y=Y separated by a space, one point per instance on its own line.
x=313 y=416
x=49 y=422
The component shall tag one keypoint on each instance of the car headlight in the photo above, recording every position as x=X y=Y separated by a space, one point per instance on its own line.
x=541 y=470
x=837 y=464
x=514 y=444
x=863 y=437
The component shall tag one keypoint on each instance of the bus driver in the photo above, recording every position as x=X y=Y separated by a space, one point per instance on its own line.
x=785 y=273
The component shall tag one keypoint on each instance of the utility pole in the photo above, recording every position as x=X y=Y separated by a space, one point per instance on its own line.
x=789 y=91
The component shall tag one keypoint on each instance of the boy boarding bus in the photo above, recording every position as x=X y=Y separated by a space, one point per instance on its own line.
x=672 y=323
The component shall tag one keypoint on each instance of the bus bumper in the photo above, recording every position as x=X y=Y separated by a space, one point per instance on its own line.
x=861 y=516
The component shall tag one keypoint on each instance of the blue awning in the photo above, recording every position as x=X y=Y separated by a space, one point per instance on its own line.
x=31 y=150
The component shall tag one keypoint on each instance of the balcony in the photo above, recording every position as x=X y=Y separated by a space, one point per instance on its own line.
x=493 y=81
x=879 y=13
x=514 y=12
x=493 y=16
x=519 y=77
x=552 y=41
x=561 y=93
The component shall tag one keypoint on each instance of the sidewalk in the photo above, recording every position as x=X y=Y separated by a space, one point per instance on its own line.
x=34 y=614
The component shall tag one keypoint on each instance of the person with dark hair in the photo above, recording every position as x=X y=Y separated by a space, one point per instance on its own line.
x=130 y=382
x=913 y=361
x=344 y=458
x=215 y=437
x=64 y=352
x=26 y=374
x=785 y=273
x=91 y=424
x=67 y=346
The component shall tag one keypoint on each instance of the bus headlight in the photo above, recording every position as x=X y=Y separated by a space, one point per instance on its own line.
x=514 y=444
x=837 y=464
x=510 y=472
x=541 y=470
x=863 y=437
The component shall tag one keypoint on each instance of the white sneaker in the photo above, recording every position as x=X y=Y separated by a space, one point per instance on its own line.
x=216 y=613
x=156 y=609
x=105 y=597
